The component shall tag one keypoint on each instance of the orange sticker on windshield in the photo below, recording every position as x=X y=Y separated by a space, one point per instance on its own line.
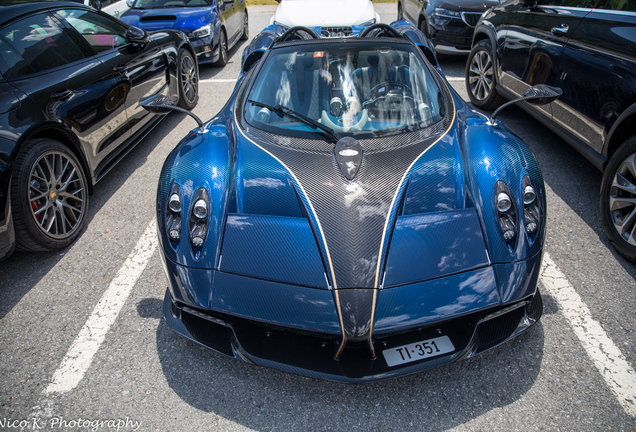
x=319 y=53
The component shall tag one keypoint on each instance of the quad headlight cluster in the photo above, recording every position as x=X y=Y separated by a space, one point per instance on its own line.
x=507 y=214
x=199 y=216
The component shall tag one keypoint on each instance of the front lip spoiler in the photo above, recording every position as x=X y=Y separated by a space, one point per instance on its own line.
x=173 y=317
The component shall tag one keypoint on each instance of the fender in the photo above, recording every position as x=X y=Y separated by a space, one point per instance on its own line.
x=493 y=153
x=622 y=128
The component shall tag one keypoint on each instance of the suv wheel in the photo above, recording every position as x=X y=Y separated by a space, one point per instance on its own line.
x=618 y=200
x=480 y=77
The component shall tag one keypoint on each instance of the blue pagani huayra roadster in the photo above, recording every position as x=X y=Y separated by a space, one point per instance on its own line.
x=346 y=216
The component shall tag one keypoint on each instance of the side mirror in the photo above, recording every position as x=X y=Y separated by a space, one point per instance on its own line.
x=96 y=4
x=130 y=3
x=540 y=94
x=160 y=104
x=136 y=35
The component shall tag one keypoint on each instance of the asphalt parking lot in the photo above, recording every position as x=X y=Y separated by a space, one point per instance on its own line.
x=572 y=371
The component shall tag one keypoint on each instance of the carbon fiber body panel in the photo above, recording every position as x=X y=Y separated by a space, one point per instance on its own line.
x=281 y=249
x=433 y=245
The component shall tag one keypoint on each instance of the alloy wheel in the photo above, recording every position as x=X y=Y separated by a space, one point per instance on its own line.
x=189 y=78
x=480 y=75
x=622 y=200
x=57 y=195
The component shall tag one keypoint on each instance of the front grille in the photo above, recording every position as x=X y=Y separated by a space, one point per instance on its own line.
x=471 y=18
x=336 y=31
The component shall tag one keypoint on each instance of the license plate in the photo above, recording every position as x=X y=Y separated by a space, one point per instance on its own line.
x=418 y=351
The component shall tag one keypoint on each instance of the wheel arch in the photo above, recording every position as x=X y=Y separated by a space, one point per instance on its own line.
x=623 y=128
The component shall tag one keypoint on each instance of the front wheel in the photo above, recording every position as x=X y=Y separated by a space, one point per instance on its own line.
x=49 y=196
x=618 y=200
x=188 y=80
x=222 y=61
x=480 y=77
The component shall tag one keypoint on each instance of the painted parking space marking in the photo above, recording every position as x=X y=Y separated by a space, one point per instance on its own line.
x=217 y=80
x=80 y=355
x=607 y=357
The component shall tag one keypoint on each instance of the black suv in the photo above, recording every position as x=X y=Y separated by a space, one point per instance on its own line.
x=588 y=49
x=449 y=24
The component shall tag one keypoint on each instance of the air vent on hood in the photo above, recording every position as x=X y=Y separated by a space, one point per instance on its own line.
x=158 y=18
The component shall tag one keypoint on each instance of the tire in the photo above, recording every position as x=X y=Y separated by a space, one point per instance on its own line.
x=246 y=28
x=222 y=61
x=480 y=77
x=188 y=80
x=400 y=13
x=618 y=200
x=49 y=196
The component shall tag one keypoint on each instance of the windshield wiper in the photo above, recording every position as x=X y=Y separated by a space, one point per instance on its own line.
x=298 y=116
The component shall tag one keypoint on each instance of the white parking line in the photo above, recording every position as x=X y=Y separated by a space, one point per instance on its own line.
x=217 y=80
x=607 y=357
x=454 y=78
x=80 y=355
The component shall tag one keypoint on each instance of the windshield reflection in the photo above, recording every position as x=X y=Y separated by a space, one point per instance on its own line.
x=354 y=89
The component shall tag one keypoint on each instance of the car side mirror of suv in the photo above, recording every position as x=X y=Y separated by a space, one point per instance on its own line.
x=539 y=94
x=136 y=35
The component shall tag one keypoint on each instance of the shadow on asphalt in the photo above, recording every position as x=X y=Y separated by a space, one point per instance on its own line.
x=264 y=399
x=29 y=267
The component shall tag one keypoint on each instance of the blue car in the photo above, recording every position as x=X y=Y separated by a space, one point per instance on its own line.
x=213 y=26
x=347 y=216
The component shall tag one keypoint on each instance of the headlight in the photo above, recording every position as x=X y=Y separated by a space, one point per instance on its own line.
x=199 y=219
x=204 y=31
x=506 y=214
x=531 y=209
x=448 y=13
x=173 y=213
x=368 y=23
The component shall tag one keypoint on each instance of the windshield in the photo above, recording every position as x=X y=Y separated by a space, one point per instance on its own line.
x=159 y=4
x=353 y=88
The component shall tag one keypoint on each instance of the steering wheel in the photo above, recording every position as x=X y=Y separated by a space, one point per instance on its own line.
x=393 y=99
x=298 y=33
x=385 y=28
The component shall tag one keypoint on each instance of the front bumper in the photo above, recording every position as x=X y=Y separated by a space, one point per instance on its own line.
x=451 y=33
x=295 y=329
x=206 y=48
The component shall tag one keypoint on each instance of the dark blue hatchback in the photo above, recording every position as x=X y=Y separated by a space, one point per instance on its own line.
x=213 y=26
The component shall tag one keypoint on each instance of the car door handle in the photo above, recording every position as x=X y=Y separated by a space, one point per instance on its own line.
x=119 y=68
x=61 y=94
x=560 y=30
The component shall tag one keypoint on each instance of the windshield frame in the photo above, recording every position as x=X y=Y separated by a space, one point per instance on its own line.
x=445 y=96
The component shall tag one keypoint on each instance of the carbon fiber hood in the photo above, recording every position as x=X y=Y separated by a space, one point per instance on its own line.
x=351 y=220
